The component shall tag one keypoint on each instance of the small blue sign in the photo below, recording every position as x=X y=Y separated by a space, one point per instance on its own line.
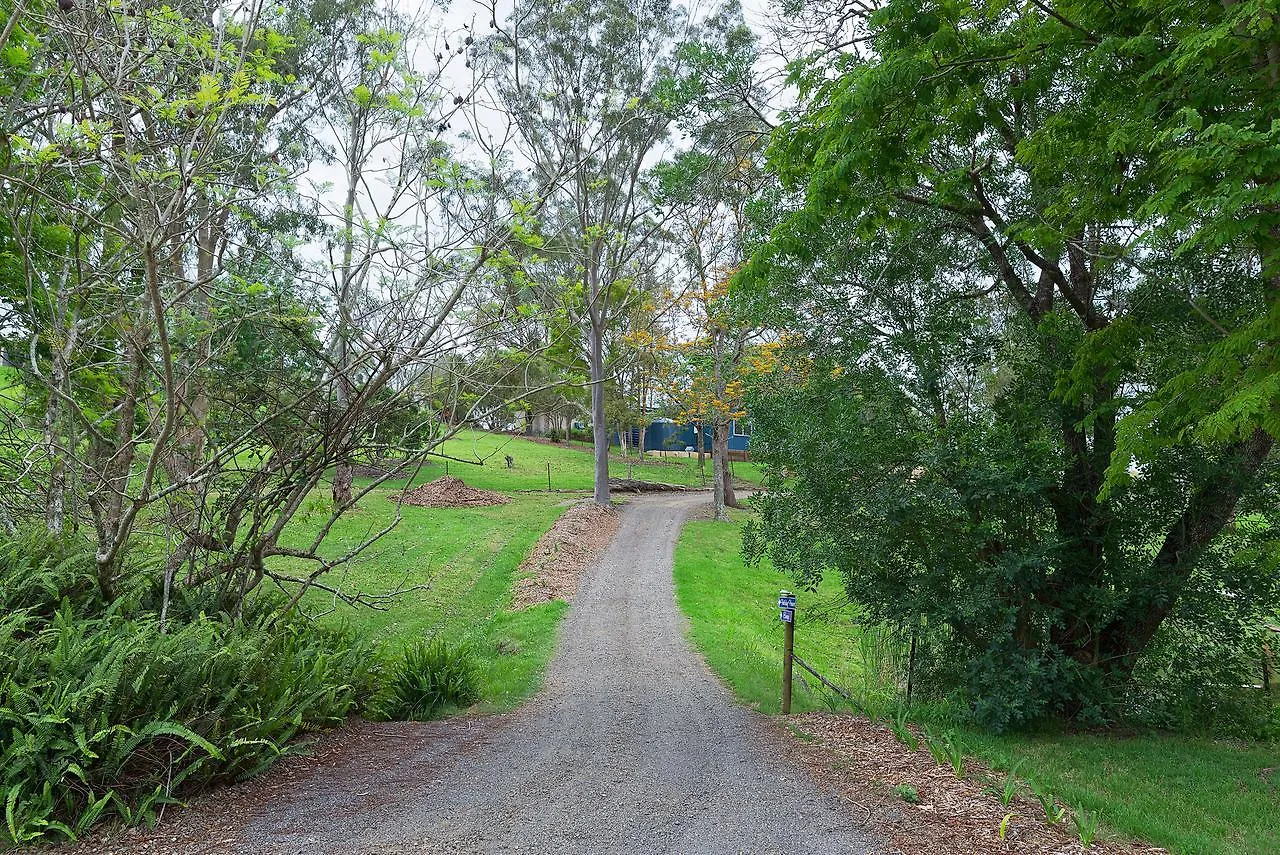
x=787 y=601
x=787 y=616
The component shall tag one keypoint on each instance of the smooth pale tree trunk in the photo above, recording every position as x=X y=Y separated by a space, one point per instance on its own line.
x=189 y=442
x=342 y=473
x=54 y=510
x=55 y=506
x=719 y=434
x=643 y=417
x=599 y=428
x=56 y=418
x=343 y=476
x=720 y=456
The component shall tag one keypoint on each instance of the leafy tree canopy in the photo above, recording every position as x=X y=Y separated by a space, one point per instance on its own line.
x=1033 y=268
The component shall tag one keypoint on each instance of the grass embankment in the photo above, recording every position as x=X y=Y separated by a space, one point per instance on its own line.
x=1191 y=795
x=456 y=567
x=571 y=465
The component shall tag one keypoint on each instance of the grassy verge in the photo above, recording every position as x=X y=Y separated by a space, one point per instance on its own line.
x=733 y=617
x=571 y=465
x=1188 y=794
x=460 y=564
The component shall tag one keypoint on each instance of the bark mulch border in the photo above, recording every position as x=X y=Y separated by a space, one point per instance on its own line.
x=862 y=761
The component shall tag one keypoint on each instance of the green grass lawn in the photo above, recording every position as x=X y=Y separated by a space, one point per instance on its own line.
x=571 y=465
x=10 y=388
x=1191 y=795
x=734 y=622
x=466 y=559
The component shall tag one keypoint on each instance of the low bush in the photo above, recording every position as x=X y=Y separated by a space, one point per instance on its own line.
x=430 y=679
x=105 y=714
x=1199 y=676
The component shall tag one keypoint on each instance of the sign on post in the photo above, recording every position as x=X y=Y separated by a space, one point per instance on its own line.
x=787 y=607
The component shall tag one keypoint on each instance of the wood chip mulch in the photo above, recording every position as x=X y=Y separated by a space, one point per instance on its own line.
x=862 y=762
x=449 y=492
x=560 y=556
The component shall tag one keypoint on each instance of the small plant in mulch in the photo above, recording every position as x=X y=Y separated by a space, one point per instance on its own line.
x=1054 y=813
x=1086 y=823
x=907 y=793
x=1010 y=789
x=946 y=750
x=902 y=731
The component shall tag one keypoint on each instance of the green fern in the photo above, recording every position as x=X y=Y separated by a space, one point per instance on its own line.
x=103 y=715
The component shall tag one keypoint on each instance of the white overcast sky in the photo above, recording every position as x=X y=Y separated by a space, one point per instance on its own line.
x=445 y=24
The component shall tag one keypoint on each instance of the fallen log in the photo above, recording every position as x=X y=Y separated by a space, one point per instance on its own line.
x=630 y=485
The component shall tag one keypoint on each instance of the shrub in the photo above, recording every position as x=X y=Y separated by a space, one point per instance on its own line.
x=428 y=680
x=1198 y=676
x=103 y=714
x=555 y=435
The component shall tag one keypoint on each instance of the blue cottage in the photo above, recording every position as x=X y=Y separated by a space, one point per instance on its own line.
x=667 y=435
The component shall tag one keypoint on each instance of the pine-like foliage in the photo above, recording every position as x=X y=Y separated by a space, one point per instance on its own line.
x=104 y=714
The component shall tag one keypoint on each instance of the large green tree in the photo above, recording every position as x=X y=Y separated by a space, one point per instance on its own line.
x=1036 y=277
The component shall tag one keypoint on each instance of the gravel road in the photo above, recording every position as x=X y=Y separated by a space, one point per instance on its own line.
x=632 y=746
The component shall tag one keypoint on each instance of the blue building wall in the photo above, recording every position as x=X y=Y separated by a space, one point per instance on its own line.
x=668 y=436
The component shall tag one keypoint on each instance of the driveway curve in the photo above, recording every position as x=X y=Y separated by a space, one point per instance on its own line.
x=632 y=746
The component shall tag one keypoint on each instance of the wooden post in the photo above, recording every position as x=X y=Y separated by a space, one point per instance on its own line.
x=788 y=648
x=911 y=666
x=548 y=476
x=787 y=614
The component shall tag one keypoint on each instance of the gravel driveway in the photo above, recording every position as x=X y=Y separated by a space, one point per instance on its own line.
x=632 y=746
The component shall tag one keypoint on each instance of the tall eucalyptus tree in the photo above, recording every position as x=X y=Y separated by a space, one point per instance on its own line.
x=580 y=83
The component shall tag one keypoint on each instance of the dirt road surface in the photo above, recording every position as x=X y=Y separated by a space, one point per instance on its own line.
x=632 y=747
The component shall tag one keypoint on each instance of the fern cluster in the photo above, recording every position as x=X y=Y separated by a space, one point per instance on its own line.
x=430 y=679
x=104 y=714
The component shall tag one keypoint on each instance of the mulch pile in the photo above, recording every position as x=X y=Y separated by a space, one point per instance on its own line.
x=449 y=492
x=560 y=556
x=863 y=762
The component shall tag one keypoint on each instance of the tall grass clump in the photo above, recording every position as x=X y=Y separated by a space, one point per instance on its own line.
x=105 y=714
x=430 y=679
